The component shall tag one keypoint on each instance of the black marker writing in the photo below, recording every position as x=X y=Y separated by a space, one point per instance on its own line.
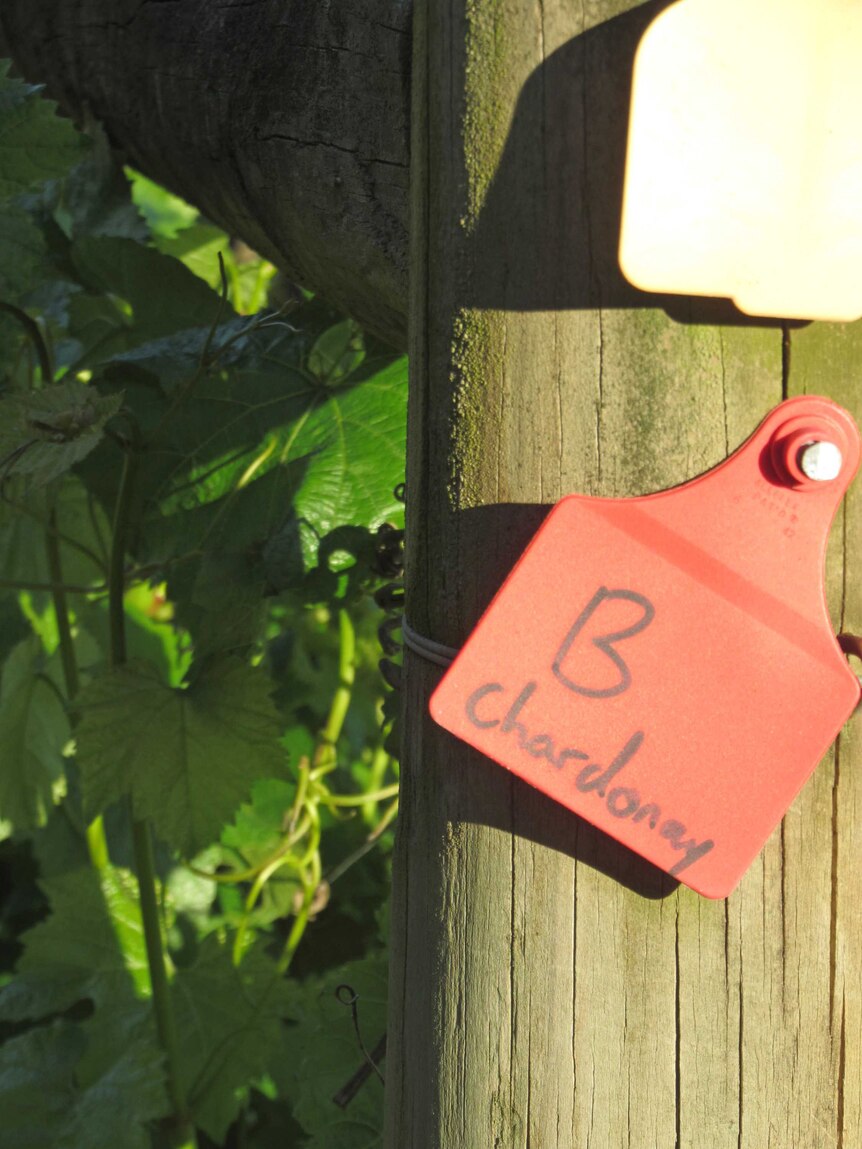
x=539 y=745
x=588 y=779
x=606 y=643
x=623 y=802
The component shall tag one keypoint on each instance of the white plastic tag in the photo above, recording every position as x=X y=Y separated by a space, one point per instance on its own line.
x=744 y=170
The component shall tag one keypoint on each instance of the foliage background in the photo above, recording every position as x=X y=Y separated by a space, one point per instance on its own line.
x=198 y=501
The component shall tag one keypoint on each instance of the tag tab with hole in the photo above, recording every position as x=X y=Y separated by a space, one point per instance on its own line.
x=665 y=666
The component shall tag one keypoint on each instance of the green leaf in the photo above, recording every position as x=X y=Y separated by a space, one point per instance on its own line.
x=24 y=254
x=34 y=728
x=121 y=1085
x=335 y=461
x=355 y=445
x=175 y=359
x=60 y=846
x=188 y=757
x=35 y=144
x=45 y=1103
x=14 y=627
x=337 y=352
x=11 y=341
x=95 y=198
x=198 y=248
x=148 y=637
x=91 y=947
x=23 y=524
x=321 y=1054
x=191 y=896
x=37 y=1087
x=44 y=433
x=257 y=828
x=165 y=212
x=160 y=295
x=229 y=1021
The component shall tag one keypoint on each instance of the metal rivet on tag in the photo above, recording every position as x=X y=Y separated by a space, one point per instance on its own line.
x=821 y=462
x=809 y=452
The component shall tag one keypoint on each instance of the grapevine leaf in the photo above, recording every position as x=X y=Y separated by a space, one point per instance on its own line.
x=229 y=1022
x=321 y=1054
x=11 y=340
x=95 y=198
x=23 y=523
x=174 y=359
x=37 y=1086
x=24 y=254
x=161 y=295
x=335 y=462
x=35 y=143
x=355 y=447
x=147 y=637
x=347 y=457
x=232 y=415
x=166 y=214
x=14 y=627
x=257 y=829
x=45 y=1102
x=337 y=353
x=271 y=1125
x=189 y=894
x=248 y=274
x=91 y=947
x=60 y=846
x=121 y=1084
x=227 y=422
x=188 y=757
x=44 y=433
x=198 y=247
x=34 y=728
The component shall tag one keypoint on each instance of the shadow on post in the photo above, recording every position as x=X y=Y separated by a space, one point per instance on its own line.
x=561 y=175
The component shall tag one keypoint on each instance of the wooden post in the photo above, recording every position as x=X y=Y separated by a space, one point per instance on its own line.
x=550 y=990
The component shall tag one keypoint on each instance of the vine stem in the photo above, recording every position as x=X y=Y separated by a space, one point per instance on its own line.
x=324 y=761
x=325 y=758
x=37 y=339
x=347 y=800
x=184 y=1136
x=162 y=1004
x=380 y=761
x=97 y=843
x=247 y=875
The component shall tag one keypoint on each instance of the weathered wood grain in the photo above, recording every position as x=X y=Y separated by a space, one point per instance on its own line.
x=550 y=990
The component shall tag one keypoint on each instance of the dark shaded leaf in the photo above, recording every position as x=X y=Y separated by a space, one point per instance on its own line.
x=35 y=143
x=187 y=757
x=91 y=947
x=24 y=262
x=23 y=525
x=44 y=1102
x=34 y=728
x=230 y=1026
x=160 y=295
x=37 y=1086
x=44 y=433
x=321 y=1055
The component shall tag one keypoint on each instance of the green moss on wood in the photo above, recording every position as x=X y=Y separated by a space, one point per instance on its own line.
x=477 y=368
x=488 y=99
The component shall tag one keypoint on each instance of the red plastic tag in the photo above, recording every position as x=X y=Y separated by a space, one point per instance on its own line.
x=665 y=666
